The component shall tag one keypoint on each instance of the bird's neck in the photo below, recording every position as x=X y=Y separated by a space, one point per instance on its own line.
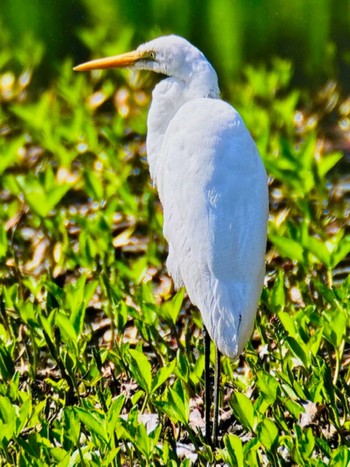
x=167 y=98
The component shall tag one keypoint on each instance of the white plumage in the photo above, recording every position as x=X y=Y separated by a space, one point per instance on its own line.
x=212 y=185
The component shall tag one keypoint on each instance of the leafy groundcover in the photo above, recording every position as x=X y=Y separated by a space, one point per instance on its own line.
x=101 y=363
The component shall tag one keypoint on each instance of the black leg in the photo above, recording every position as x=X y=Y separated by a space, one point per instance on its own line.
x=207 y=395
x=216 y=398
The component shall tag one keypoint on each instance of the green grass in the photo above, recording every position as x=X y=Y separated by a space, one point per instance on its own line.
x=100 y=362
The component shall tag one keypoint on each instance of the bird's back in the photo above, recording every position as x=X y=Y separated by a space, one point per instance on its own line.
x=213 y=188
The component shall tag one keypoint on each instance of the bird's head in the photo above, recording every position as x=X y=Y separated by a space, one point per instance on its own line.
x=169 y=55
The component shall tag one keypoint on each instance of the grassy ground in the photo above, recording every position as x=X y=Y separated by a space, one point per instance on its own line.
x=100 y=362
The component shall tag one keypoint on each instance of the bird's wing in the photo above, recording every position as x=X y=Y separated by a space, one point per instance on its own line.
x=213 y=188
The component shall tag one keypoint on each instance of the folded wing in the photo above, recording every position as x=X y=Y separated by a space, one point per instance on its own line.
x=213 y=188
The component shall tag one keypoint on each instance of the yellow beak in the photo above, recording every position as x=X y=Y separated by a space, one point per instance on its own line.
x=118 y=61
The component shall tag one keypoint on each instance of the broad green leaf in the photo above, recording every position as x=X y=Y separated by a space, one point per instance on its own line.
x=7 y=421
x=340 y=457
x=28 y=312
x=94 y=184
x=288 y=248
x=110 y=458
x=343 y=291
x=142 y=441
x=75 y=295
x=162 y=375
x=336 y=328
x=298 y=350
x=293 y=407
x=243 y=410
x=9 y=151
x=268 y=434
x=306 y=442
x=113 y=414
x=183 y=367
x=176 y=405
x=78 y=298
x=319 y=249
x=233 y=445
x=268 y=386
x=250 y=450
x=56 y=291
x=172 y=308
x=7 y=366
x=327 y=162
x=324 y=447
x=137 y=396
x=71 y=424
x=288 y=323
x=341 y=252
x=93 y=422
x=37 y=414
x=66 y=328
x=48 y=325
x=40 y=198
x=60 y=456
x=277 y=294
x=198 y=369
x=3 y=242
x=141 y=369
x=23 y=415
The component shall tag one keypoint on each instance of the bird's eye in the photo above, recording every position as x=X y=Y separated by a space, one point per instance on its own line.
x=152 y=55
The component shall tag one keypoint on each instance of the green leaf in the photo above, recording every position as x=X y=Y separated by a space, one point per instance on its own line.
x=288 y=323
x=183 y=367
x=7 y=421
x=71 y=424
x=7 y=366
x=3 y=242
x=319 y=249
x=145 y=442
x=47 y=325
x=233 y=445
x=288 y=248
x=113 y=414
x=305 y=442
x=268 y=386
x=9 y=151
x=340 y=457
x=293 y=407
x=250 y=450
x=267 y=434
x=341 y=251
x=335 y=330
x=327 y=162
x=141 y=370
x=176 y=405
x=56 y=292
x=94 y=184
x=162 y=375
x=42 y=195
x=198 y=369
x=92 y=421
x=298 y=350
x=243 y=410
x=277 y=301
x=60 y=456
x=172 y=308
x=66 y=328
x=23 y=415
x=78 y=298
x=324 y=447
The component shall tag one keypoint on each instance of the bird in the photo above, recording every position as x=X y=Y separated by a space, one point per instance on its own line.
x=213 y=188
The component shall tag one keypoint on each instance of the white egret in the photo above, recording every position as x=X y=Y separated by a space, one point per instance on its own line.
x=212 y=186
